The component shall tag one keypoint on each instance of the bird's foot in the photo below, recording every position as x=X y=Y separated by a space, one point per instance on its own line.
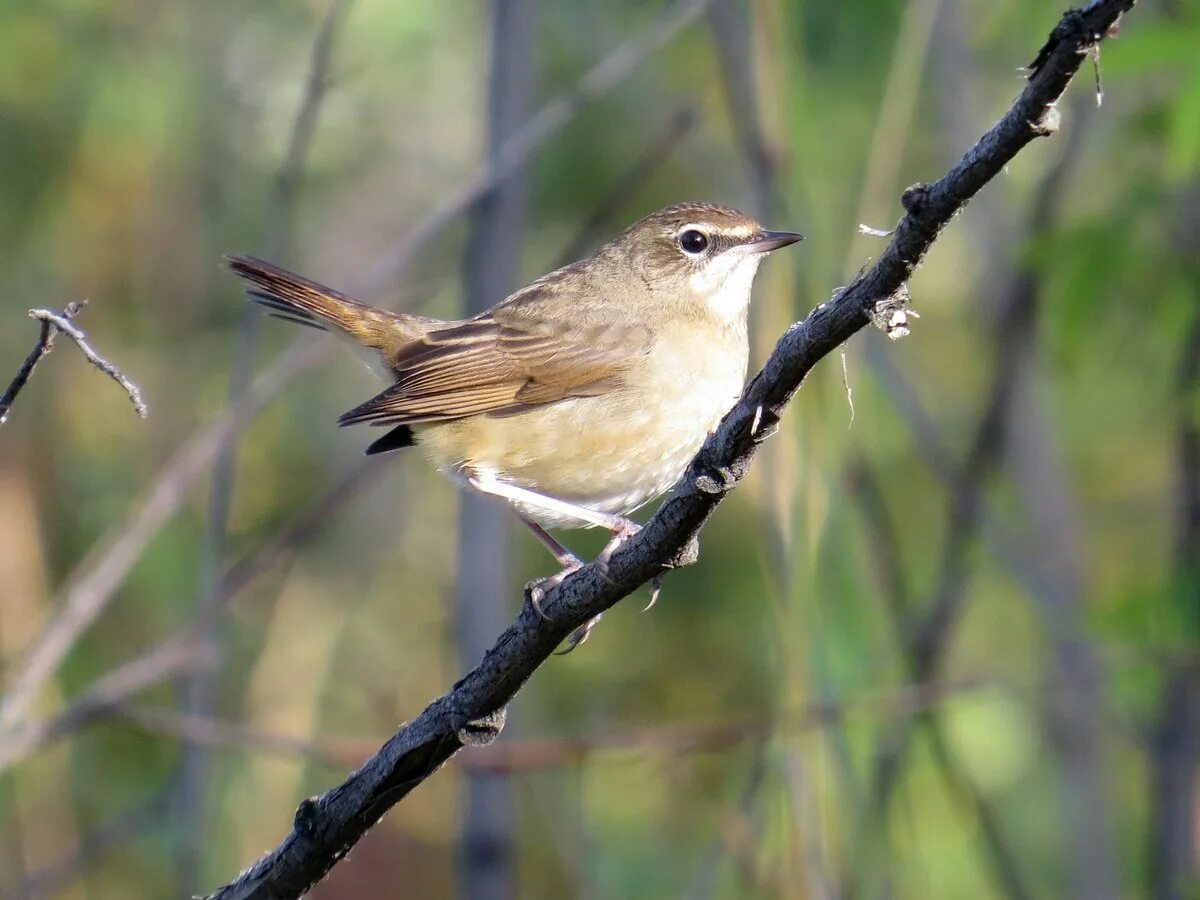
x=622 y=531
x=655 y=590
x=621 y=534
x=579 y=635
x=537 y=591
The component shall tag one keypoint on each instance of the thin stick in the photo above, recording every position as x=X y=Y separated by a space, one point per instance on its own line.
x=60 y=322
x=44 y=345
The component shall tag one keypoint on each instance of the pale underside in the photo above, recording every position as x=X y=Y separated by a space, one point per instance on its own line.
x=610 y=453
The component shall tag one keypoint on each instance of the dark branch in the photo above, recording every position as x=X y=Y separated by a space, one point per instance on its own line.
x=472 y=712
x=45 y=343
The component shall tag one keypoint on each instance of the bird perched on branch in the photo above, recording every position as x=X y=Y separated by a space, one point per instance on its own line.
x=576 y=399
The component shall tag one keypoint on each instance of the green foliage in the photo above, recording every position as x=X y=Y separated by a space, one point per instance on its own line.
x=142 y=141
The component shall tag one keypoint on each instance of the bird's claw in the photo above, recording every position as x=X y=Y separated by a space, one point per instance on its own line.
x=536 y=591
x=619 y=537
x=579 y=635
x=655 y=590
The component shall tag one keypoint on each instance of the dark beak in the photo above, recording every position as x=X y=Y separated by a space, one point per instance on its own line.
x=766 y=241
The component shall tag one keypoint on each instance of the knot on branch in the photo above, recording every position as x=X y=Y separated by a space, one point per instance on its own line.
x=891 y=314
x=764 y=424
x=306 y=816
x=915 y=198
x=714 y=479
x=688 y=554
x=481 y=731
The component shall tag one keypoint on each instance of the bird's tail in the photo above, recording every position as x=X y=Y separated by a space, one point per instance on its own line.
x=296 y=299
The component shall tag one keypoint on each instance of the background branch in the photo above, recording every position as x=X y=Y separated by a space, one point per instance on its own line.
x=927 y=634
x=197 y=694
x=486 y=857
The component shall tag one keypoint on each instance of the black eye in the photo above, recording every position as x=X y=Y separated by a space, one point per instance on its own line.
x=693 y=242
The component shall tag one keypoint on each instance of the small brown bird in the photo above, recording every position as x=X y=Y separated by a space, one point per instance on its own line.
x=576 y=399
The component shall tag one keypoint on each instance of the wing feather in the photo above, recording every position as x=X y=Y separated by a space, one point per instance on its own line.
x=500 y=364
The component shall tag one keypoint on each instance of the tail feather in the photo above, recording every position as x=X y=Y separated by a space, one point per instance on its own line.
x=276 y=309
x=397 y=439
x=297 y=299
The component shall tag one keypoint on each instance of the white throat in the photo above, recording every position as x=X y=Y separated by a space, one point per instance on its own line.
x=726 y=281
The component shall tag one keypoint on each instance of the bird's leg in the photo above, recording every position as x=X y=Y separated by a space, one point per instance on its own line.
x=622 y=529
x=489 y=484
x=568 y=560
x=561 y=554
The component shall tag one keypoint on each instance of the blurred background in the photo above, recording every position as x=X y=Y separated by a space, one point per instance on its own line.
x=942 y=644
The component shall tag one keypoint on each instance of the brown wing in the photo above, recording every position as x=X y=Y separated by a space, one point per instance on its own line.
x=501 y=363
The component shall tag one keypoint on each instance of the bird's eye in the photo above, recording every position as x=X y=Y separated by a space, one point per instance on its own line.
x=693 y=242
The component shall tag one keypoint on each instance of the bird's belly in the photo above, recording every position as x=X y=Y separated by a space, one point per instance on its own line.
x=608 y=454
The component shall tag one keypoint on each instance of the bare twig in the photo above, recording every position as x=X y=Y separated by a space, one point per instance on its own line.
x=91 y=586
x=473 y=711
x=60 y=322
x=45 y=343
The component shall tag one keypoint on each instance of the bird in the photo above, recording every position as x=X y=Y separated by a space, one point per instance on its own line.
x=576 y=399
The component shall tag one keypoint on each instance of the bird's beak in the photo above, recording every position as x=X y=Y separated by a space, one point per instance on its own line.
x=766 y=241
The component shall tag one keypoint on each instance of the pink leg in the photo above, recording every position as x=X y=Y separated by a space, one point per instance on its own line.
x=622 y=529
x=565 y=557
